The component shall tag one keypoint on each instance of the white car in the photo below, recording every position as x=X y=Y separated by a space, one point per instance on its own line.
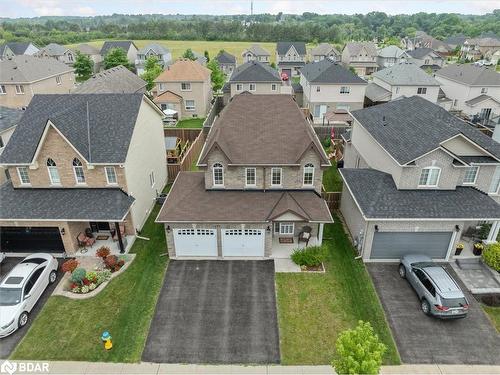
x=21 y=288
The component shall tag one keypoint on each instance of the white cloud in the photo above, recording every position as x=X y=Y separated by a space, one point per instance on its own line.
x=86 y=11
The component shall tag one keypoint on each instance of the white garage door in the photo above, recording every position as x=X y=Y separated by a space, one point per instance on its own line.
x=243 y=242
x=195 y=242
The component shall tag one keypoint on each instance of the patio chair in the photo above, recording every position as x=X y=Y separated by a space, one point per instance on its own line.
x=122 y=232
x=305 y=234
x=84 y=241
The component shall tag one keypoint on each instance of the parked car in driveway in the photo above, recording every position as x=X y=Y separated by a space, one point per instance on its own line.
x=439 y=294
x=21 y=288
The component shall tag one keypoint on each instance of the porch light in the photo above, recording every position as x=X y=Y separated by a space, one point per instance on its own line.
x=168 y=228
x=63 y=231
x=457 y=228
x=376 y=228
x=268 y=229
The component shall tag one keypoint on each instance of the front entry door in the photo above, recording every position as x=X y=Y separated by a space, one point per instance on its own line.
x=98 y=226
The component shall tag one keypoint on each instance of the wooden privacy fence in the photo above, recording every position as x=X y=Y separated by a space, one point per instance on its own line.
x=184 y=134
x=332 y=199
x=324 y=131
x=189 y=157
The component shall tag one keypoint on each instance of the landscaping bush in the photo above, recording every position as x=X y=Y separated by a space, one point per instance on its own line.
x=112 y=263
x=359 y=351
x=491 y=256
x=69 y=266
x=103 y=252
x=309 y=256
x=327 y=142
x=92 y=280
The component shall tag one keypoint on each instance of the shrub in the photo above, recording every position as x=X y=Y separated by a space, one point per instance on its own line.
x=103 y=252
x=309 y=256
x=69 y=266
x=91 y=276
x=85 y=289
x=92 y=286
x=110 y=261
x=491 y=256
x=78 y=275
x=359 y=351
x=103 y=276
x=327 y=142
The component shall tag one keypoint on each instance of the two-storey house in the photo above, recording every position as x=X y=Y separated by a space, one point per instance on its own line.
x=117 y=80
x=226 y=62
x=474 y=90
x=416 y=178
x=9 y=118
x=85 y=171
x=390 y=55
x=290 y=57
x=328 y=86
x=127 y=45
x=362 y=56
x=185 y=87
x=324 y=51
x=11 y=49
x=162 y=54
x=58 y=52
x=23 y=76
x=426 y=58
x=92 y=53
x=259 y=187
x=403 y=79
x=256 y=53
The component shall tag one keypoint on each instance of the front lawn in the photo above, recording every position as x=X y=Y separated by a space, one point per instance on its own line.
x=331 y=179
x=70 y=330
x=314 y=308
x=192 y=123
x=494 y=314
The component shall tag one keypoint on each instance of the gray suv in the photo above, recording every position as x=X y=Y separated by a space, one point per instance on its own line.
x=439 y=294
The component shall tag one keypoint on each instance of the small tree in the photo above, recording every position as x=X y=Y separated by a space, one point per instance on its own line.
x=152 y=69
x=83 y=67
x=207 y=56
x=359 y=351
x=115 y=57
x=353 y=71
x=217 y=76
x=273 y=65
x=188 y=54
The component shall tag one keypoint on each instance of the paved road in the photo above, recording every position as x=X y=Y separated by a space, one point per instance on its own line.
x=423 y=339
x=215 y=312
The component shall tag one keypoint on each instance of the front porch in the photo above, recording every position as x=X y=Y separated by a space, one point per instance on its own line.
x=114 y=246
x=476 y=232
x=285 y=250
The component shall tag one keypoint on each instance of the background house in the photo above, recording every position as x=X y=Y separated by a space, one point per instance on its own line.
x=115 y=80
x=256 y=53
x=362 y=56
x=127 y=45
x=323 y=51
x=390 y=55
x=58 y=52
x=12 y=49
x=9 y=118
x=163 y=55
x=426 y=58
x=226 y=62
x=91 y=52
x=290 y=57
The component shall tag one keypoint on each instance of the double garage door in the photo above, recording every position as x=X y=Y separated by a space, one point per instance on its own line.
x=191 y=242
x=393 y=245
x=31 y=240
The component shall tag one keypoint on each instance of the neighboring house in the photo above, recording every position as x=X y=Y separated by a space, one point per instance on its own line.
x=115 y=80
x=493 y=57
x=12 y=49
x=290 y=57
x=455 y=41
x=9 y=118
x=474 y=90
x=403 y=79
x=81 y=161
x=162 y=54
x=416 y=178
x=423 y=40
x=254 y=77
x=426 y=58
x=23 y=76
x=328 y=86
x=58 y=52
x=391 y=55
x=362 y=56
x=92 y=53
x=325 y=51
x=256 y=53
x=186 y=85
x=259 y=188
x=226 y=62
x=476 y=48
x=128 y=46
x=200 y=58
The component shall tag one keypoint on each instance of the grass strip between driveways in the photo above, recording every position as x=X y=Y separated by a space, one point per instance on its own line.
x=70 y=330
x=314 y=308
x=192 y=123
x=494 y=315
x=331 y=179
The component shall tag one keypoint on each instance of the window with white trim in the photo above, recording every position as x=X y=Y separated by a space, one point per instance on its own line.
x=470 y=175
x=239 y=87
x=189 y=105
x=286 y=228
x=111 y=175
x=484 y=90
x=252 y=87
x=250 y=179
x=58 y=80
x=78 y=171
x=185 y=86
x=274 y=87
x=276 y=176
x=345 y=90
x=53 y=172
x=495 y=182
x=429 y=176
x=422 y=90
x=2 y=90
x=318 y=88
x=161 y=87
x=218 y=174
x=19 y=89
x=308 y=174
x=24 y=177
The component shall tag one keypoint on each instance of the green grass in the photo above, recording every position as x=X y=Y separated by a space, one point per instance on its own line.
x=331 y=179
x=193 y=123
x=494 y=314
x=314 y=308
x=70 y=330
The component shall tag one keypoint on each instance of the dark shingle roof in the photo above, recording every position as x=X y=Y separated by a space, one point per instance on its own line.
x=283 y=47
x=254 y=71
x=115 y=80
x=18 y=48
x=190 y=201
x=481 y=98
x=470 y=74
x=418 y=53
x=9 y=117
x=225 y=58
x=408 y=128
x=379 y=198
x=297 y=87
x=99 y=204
x=156 y=48
x=108 y=45
x=327 y=71
x=405 y=74
x=111 y=119
x=377 y=93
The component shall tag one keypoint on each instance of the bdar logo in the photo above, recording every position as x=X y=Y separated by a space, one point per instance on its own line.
x=8 y=367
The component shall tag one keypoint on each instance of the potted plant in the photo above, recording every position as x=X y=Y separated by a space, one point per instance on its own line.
x=459 y=248
x=478 y=248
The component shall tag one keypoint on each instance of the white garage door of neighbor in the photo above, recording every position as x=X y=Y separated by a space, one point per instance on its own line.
x=243 y=242
x=191 y=242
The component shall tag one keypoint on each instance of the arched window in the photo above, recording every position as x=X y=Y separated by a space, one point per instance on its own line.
x=218 y=174
x=78 y=171
x=309 y=174
x=429 y=176
x=53 y=172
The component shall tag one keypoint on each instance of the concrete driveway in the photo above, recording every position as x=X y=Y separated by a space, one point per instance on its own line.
x=213 y=311
x=9 y=343
x=423 y=339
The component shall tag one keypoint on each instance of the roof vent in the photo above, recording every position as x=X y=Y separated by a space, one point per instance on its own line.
x=384 y=123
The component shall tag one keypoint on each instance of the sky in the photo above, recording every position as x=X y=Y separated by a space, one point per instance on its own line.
x=33 y=8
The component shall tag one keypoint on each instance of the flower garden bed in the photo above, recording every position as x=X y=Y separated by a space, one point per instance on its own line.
x=310 y=259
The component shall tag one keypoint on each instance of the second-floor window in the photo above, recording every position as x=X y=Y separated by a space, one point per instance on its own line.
x=274 y=87
x=2 y=90
x=250 y=177
x=345 y=90
x=495 y=182
x=470 y=175
x=218 y=174
x=318 y=88
x=429 y=176
x=276 y=176
x=252 y=87
x=484 y=90
x=161 y=87
x=19 y=89
x=111 y=175
x=239 y=87
x=53 y=172
x=308 y=174
x=78 y=171
x=422 y=90
x=185 y=86
x=24 y=177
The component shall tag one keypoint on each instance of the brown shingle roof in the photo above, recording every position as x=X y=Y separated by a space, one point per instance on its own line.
x=188 y=201
x=184 y=70
x=262 y=129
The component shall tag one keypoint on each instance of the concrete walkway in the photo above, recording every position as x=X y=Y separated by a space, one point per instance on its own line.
x=90 y=368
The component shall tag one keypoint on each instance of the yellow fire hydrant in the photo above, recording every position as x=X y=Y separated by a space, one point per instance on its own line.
x=106 y=338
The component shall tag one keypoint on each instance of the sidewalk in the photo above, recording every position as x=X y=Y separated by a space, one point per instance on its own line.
x=90 y=368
